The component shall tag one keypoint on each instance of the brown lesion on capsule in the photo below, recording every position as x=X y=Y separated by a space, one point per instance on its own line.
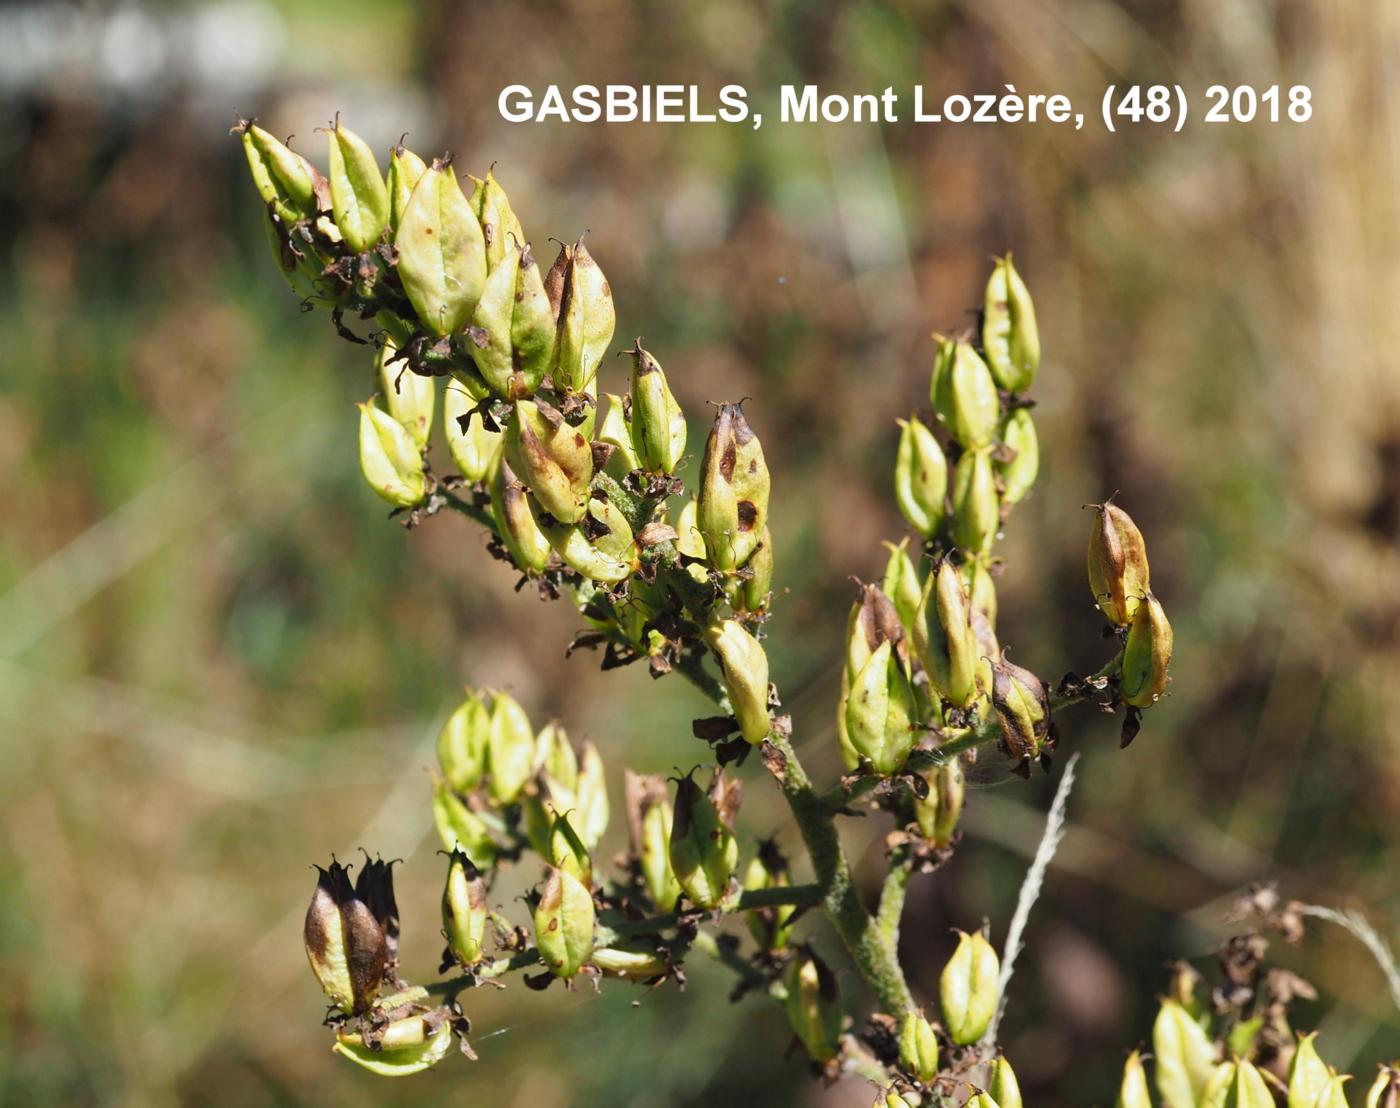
x=748 y=515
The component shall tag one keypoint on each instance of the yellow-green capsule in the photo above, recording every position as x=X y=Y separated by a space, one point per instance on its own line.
x=510 y=749
x=616 y=433
x=405 y=170
x=1022 y=706
x=976 y=509
x=979 y=1099
x=658 y=424
x=489 y=334
x=359 y=197
x=943 y=636
x=732 y=508
x=533 y=327
x=389 y=458
x=462 y=742
x=649 y=823
x=631 y=960
x=758 y=588
x=510 y=508
x=900 y=582
x=937 y=813
x=703 y=850
x=744 y=670
x=969 y=988
x=552 y=457
x=689 y=540
x=499 y=225
x=441 y=253
x=464 y=911
x=600 y=549
x=965 y=396
x=920 y=477
x=591 y=798
x=1118 y=570
x=556 y=760
x=407 y=1046
x=1133 y=1092
x=981 y=590
x=1018 y=475
x=771 y=927
x=1308 y=1074
x=473 y=445
x=460 y=828
x=918 y=1047
x=564 y=920
x=814 y=1005
x=566 y=850
x=284 y=179
x=410 y=397
x=1009 y=332
x=1004 y=1088
x=345 y=944
x=1185 y=1056
x=1147 y=655
x=881 y=714
x=584 y=308
x=1334 y=1094
x=850 y=757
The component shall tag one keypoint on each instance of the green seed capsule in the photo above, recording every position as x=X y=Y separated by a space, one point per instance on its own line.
x=920 y=477
x=976 y=510
x=1022 y=704
x=533 y=328
x=649 y=822
x=499 y=224
x=1334 y=1095
x=510 y=508
x=557 y=762
x=359 y=197
x=937 y=813
x=969 y=988
x=564 y=920
x=631 y=960
x=552 y=458
x=464 y=911
x=744 y=670
x=689 y=540
x=489 y=335
x=965 y=396
x=880 y=706
x=703 y=850
x=1019 y=474
x=284 y=179
x=658 y=424
x=566 y=850
x=591 y=798
x=758 y=589
x=389 y=458
x=460 y=828
x=1009 y=332
x=473 y=445
x=1184 y=1054
x=900 y=583
x=981 y=590
x=405 y=170
x=616 y=433
x=409 y=396
x=980 y=1100
x=1004 y=1088
x=601 y=548
x=943 y=636
x=771 y=927
x=1308 y=1074
x=346 y=945
x=407 y=1046
x=462 y=743
x=850 y=757
x=1147 y=655
x=1133 y=1092
x=442 y=256
x=1118 y=571
x=732 y=508
x=918 y=1047
x=510 y=749
x=814 y=1005
x=584 y=307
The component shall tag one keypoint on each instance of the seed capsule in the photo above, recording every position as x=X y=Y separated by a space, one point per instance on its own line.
x=744 y=670
x=649 y=820
x=1009 y=332
x=616 y=432
x=460 y=828
x=1019 y=474
x=937 y=813
x=771 y=927
x=499 y=224
x=406 y=1046
x=918 y=1047
x=981 y=591
x=758 y=589
x=1004 y=1088
x=409 y=397
x=551 y=457
x=489 y=334
x=405 y=170
x=442 y=256
x=689 y=541
x=1308 y=1074
x=1133 y=1092
x=284 y=179
x=732 y=508
x=510 y=749
x=591 y=798
x=920 y=477
x=345 y=943
x=969 y=989
x=510 y=508
x=631 y=960
x=389 y=458
x=1022 y=704
x=1147 y=655
x=533 y=328
x=601 y=548
x=964 y=395
x=1334 y=1094
x=1184 y=1053
x=566 y=850
x=703 y=850
x=473 y=445
x=584 y=307
x=900 y=582
x=976 y=510
x=880 y=707
x=1385 y=1090
x=943 y=636
x=462 y=742
x=564 y=919
x=658 y=424
x=464 y=911
x=359 y=197
x=814 y=1005
x=1118 y=572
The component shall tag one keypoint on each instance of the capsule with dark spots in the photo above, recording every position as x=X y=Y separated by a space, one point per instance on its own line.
x=732 y=508
x=345 y=943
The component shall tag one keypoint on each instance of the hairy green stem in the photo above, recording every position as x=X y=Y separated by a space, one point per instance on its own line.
x=892 y=894
x=468 y=509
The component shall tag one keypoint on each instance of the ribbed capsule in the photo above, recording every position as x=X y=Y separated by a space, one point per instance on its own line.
x=814 y=1005
x=405 y=170
x=566 y=850
x=1118 y=572
x=1022 y=704
x=500 y=228
x=615 y=431
x=460 y=828
x=474 y=446
x=1385 y=1090
x=880 y=714
x=964 y=395
x=976 y=508
x=744 y=670
x=938 y=812
x=732 y=508
x=359 y=197
x=649 y=822
x=441 y=253
x=920 y=477
x=510 y=508
x=1133 y=1091
x=758 y=587
x=592 y=809
x=552 y=457
x=409 y=396
x=600 y=548
x=658 y=424
x=1019 y=473
x=1147 y=655
x=969 y=988
x=1009 y=332
x=390 y=459
x=943 y=636
x=583 y=306
x=284 y=179
x=771 y=927
x=564 y=920
x=1308 y=1074
x=464 y=911
x=1184 y=1054
x=703 y=850
x=462 y=743
x=900 y=582
x=510 y=749
x=918 y=1047
x=533 y=328
x=489 y=339
x=345 y=944
x=1003 y=1087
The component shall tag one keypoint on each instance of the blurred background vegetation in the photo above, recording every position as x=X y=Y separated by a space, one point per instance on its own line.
x=218 y=662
